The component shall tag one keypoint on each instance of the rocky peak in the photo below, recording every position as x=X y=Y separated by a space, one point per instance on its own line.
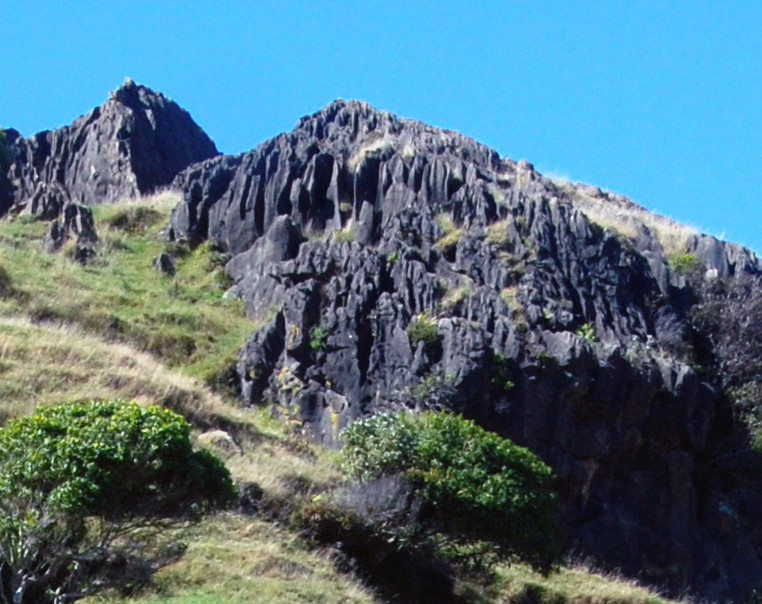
x=133 y=144
x=394 y=265
x=358 y=129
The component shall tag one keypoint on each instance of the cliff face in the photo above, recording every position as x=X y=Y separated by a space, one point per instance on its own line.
x=392 y=265
x=134 y=143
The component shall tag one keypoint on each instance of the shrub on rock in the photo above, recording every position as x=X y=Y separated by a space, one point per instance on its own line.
x=473 y=483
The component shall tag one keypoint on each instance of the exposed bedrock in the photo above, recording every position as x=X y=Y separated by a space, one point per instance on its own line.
x=133 y=144
x=392 y=265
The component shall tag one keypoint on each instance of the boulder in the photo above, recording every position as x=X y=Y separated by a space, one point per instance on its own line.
x=164 y=263
x=76 y=221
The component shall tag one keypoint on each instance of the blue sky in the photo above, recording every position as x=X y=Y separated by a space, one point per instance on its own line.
x=659 y=101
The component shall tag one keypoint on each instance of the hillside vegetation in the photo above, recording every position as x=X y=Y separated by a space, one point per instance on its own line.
x=119 y=328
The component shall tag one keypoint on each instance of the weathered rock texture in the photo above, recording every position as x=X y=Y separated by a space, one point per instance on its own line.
x=134 y=143
x=395 y=265
x=76 y=222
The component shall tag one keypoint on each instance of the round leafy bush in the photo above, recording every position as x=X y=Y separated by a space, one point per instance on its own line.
x=76 y=479
x=474 y=483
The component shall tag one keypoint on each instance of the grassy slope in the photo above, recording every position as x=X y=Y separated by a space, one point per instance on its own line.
x=119 y=328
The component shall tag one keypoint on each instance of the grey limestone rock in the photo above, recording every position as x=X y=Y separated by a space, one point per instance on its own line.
x=133 y=144
x=528 y=316
x=76 y=221
x=164 y=263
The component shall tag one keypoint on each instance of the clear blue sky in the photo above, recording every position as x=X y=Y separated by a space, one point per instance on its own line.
x=659 y=101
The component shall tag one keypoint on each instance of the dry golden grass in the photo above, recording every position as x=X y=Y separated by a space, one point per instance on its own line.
x=372 y=143
x=454 y=296
x=45 y=363
x=451 y=233
x=497 y=233
x=280 y=468
x=232 y=559
x=628 y=219
x=576 y=584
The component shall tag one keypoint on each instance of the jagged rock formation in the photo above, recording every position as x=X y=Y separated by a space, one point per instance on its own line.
x=396 y=265
x=134 y=143
x=76 y=221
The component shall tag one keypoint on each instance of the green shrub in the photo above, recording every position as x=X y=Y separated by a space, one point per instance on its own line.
x=78 y=482
x=317 y=336
x=587 y=333
x=477 y=485
x=423 y=328
x=684 y=264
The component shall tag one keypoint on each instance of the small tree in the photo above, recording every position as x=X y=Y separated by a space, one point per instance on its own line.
x=474 y=484
x=81 y=483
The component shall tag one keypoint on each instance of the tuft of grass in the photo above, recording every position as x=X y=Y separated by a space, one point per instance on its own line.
x=683 y=264
x=373 y=144
x=451 y=234
x=508 y=295
x=345 y=235
x=317 y=337
x=423 y=328
x=497 y=234
x=574 y=584
x=454 y=297
x=587 y=333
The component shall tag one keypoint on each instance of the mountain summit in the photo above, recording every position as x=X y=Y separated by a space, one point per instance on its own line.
x=133 y=144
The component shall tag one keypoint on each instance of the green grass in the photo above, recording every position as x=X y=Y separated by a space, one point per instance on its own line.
x=182 y=320
x=684 y=264
x=232 y=559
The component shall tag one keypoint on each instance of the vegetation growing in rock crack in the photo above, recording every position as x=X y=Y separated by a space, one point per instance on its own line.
x=317 y=336
x=587 y=333
x=423 y=328
x=85 y=489
x=684 y=264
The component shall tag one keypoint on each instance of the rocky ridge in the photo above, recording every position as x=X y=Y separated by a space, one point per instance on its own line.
x=133 y=144
x=393 y=265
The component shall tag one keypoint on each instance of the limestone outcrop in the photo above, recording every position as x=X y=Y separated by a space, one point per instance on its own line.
x=393 y=265
x=132 y=145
